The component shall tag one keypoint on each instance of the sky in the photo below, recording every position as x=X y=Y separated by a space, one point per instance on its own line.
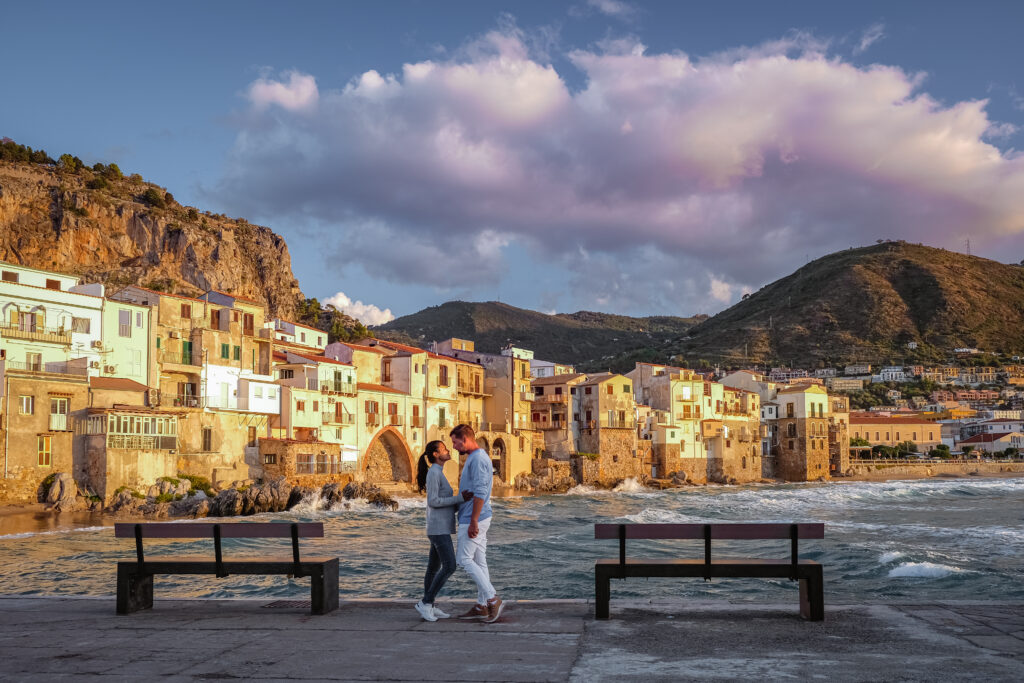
x=640 y=158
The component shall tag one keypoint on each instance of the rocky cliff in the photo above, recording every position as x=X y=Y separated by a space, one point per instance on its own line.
x=117 y=230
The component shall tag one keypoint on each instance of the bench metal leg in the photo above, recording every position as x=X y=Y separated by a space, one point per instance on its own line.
x=812 y=596
x=602 y=593
x=134 y=590
x=324 y=588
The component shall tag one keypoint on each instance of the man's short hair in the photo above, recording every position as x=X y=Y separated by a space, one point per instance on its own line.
x=463 y=431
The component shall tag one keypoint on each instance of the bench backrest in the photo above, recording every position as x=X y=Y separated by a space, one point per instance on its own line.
x=227 y=529
x=707 y=532
x=723 y=531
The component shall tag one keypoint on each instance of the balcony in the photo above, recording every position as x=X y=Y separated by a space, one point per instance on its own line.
x=54 y=335
x=312 y=383
x=372 y=419
x=548 y=425
x=526 y=396
x=182 y=401
x=394 y=420
x=619 y=423
x=470 y=390
x=339 y=418
x=142 y=442
x=551 y=398
x=416 y=421
x=346 y=388
x=52 y=368
x=179 y=358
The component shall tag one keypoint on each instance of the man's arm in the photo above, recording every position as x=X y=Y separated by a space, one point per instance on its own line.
x=481 y=492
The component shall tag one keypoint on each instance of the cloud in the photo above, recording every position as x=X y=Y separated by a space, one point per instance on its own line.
x=368 y=314
x=872 y=35
x=612 y=8
x=299 y=93
x=731 y=168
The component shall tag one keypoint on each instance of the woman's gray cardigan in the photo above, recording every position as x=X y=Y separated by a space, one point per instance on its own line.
x=441 y=504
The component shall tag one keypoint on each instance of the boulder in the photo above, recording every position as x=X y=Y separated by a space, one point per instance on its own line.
x=228 y=503
x=297 y=495
x=124 y=503
x=63 y=493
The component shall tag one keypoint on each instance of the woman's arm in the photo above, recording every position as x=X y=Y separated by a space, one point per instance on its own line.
x=434 y=497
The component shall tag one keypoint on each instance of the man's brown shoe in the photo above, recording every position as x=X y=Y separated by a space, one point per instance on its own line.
x=477 y=612
x=494 y=607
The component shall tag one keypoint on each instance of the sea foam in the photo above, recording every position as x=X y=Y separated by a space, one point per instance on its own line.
x=923 y=570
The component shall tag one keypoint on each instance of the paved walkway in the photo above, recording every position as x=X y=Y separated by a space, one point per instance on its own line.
x=48 y=639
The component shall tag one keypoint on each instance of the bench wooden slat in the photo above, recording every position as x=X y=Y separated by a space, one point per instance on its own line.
x=227 y=529
x=756 y=561
x=719 y=531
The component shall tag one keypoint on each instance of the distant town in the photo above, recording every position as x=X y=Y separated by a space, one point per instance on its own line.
x=124 y=389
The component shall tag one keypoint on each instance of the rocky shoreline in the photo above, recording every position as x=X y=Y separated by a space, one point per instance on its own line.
x=182 y=497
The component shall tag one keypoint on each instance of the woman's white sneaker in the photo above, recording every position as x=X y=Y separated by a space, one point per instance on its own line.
x=426 y=611
x=440 y=614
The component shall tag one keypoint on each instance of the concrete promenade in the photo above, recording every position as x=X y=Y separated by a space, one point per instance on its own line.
x=51 y=639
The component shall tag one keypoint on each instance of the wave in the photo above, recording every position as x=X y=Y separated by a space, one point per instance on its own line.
x=923 y=570
x=631 y=485
x=54 y=532
x=886 y=558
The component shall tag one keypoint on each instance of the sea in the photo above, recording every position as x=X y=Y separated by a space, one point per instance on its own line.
x=918 y=540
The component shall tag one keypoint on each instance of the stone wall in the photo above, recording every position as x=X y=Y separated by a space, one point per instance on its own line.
x=284 y=453
x=108 y=469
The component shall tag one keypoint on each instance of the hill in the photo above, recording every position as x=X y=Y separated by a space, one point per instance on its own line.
x=585 y=339
x=867 y=304
x=103 y=226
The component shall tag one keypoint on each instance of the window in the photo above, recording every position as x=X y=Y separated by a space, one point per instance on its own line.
x=225 y=350
x=586 y=390
x=686 y=393
x=370 y=406
x=186 y=311
x=300 y=406
x=58 y=414
x=257 y=391
x=138 y=319
x=610 y=389
x=316 y=406
x=539 y=391
x=304 y=463
x=237 y=353
x=215 y=319
x=207 y=439
x=271 y=392
x=9 y=276
x=27 y=405
x=124 y=323
x=441 y=418
x=789 y=410
x=34 y=361
x=80 y=325
x=252 y=437
x=287 y=373
x=442 y=376
x=43 y=451
x=270 y=458
x=136 y=362
x=626 y=388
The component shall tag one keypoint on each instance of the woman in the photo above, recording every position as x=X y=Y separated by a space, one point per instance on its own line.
x=441 y=507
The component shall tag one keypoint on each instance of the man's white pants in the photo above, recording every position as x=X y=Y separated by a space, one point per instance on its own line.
x=472 y=556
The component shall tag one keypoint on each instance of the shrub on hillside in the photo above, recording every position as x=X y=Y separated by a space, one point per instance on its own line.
x=153 y=197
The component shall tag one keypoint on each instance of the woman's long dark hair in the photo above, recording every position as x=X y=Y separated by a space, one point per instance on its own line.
x=426 y=459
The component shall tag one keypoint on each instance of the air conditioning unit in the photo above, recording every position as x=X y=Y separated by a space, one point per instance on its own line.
x=95 y=365
x=174 y=334
x=97 y=344
x=111 y=369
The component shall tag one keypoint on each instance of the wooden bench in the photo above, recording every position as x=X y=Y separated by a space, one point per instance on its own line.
x=808 y=572
x=135 y=579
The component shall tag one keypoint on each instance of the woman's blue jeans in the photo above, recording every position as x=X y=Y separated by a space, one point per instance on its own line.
x=440 y=566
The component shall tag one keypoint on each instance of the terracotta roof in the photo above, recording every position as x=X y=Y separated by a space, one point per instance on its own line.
x=806 y=387
x=396 y=346
x=153 y=291
x=598 y=378
x=366 y=386
x=358 y=347
x=236 y=296
x=321 y=359
x=557 y=379
x=868 y=418
x=292 y=322
x=116 y=383
x=438 y=356
x=988 y=438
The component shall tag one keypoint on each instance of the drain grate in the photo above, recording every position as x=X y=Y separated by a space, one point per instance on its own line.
x=289 y=603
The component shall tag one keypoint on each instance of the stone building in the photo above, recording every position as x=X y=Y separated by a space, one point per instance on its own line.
x=555 y=402
x=608 y=429
x=803 y=433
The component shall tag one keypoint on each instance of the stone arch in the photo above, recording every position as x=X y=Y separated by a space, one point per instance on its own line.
x=388 y=458
x=499 y=458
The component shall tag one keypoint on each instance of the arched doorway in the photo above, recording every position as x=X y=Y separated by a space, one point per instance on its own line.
x=387 y=458
x=498 y=458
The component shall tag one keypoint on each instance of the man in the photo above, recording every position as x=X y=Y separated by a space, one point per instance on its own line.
x=474 y=521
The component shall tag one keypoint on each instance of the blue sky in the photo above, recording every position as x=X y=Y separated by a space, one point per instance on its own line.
x=641 y=158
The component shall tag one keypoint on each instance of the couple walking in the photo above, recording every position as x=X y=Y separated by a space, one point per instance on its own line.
x=472 y=509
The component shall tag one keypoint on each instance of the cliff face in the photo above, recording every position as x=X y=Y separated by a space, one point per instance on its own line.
x=61 y=221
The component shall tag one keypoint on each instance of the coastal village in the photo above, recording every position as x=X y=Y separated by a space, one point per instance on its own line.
x=121 y=389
